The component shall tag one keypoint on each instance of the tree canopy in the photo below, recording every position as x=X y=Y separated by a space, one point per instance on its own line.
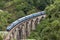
x=48 y=29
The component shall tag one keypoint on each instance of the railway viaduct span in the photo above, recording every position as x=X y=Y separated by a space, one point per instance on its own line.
x=21 y=28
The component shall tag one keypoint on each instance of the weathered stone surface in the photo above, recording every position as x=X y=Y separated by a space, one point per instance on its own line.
x=21 y=28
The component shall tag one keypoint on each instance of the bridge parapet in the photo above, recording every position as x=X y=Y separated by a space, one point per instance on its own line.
x=21 y=28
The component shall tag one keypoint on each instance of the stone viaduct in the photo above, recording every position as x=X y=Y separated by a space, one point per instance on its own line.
x=21 y=28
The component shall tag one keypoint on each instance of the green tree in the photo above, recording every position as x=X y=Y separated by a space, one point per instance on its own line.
x=40 y=4
x=5 y=19
x=49 y=28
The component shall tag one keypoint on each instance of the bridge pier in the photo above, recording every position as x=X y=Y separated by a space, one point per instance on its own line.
x=28 y=28
x=33 y=24
x=21 y=28
x=23 y=31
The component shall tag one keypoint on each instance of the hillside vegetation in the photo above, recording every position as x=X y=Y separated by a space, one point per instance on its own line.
x=11 y=10
x=48 y=29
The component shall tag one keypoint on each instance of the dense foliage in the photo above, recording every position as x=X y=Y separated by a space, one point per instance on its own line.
x=48 y=29
x=18 y=8
x=5 y=19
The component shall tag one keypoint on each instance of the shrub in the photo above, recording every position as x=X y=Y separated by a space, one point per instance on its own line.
x=5 y=17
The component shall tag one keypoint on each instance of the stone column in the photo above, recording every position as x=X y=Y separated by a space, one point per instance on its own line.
x=23 y=33
x=39 y=18
x=28 y=27
x=43 y=16
x=15 y=33
x=12 y=35
x=33 y=24
x=18 y=34
x=36 y=21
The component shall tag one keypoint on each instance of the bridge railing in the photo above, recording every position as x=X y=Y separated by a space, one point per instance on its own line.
x=21 y=28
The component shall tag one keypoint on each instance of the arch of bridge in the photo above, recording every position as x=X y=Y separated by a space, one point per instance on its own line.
x=20 y=29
